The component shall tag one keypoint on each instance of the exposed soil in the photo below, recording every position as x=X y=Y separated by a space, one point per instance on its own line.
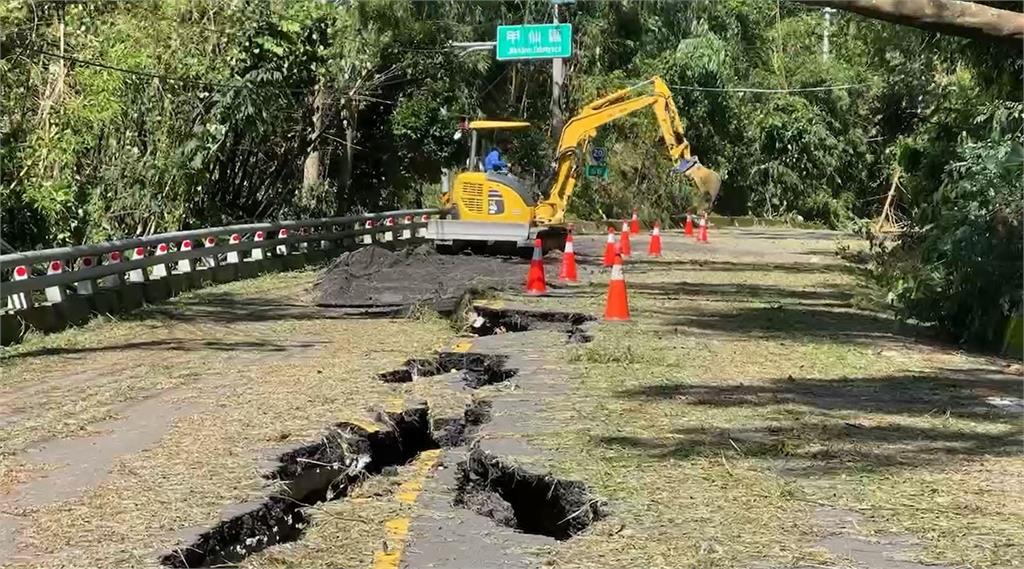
x=487 y=321
x=476 y=370
x=532 y=503
x=374 y=277
x=451 y=432
x=323 y=471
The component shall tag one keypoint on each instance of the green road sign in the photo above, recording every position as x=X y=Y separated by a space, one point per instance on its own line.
x=540 y=41
x=597 y=171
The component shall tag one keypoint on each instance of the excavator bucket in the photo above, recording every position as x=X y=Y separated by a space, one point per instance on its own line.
x=707 y=180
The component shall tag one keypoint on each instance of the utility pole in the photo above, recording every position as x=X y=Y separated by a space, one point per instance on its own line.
x=557 y=83
x=824 y=39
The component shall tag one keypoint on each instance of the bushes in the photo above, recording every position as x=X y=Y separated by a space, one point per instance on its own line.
x=963 y=268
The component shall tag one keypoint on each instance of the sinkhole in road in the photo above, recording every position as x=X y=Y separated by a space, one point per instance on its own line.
x=487 y=321
x=531 y=503
x=323 y=471
x=475 y=369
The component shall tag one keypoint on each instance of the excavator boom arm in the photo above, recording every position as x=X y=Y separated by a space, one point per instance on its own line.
x=581 y=128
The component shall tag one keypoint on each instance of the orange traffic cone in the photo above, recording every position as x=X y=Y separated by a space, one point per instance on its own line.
x=634 y=224
x=654 y=248
x=567 y=274
x=624 y=241
x=610 y=248
x=617 y=305
x=688 y=228
x=535 y=283
x=702 y=233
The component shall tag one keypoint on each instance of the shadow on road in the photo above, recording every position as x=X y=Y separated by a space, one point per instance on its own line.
x=176 y=344
x=814 y=447
x=793 y=267
x=959 y=395
x=226 y=308
x=810 y=422
x=742 y=292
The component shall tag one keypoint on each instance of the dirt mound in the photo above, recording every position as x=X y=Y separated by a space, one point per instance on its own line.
x=374 y=277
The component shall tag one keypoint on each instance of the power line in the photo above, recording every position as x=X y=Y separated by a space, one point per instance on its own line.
x=179 y=79
x=760 y=90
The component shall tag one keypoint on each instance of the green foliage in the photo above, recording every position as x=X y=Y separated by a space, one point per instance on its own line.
x=962 y=269
x=277 y=108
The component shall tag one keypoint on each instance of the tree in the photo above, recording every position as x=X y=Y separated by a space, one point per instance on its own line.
x=955 y=17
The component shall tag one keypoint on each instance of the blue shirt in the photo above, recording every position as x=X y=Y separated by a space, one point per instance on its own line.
x=493 y=162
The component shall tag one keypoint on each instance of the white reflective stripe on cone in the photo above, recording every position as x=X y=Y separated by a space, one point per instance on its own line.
x=617 y=272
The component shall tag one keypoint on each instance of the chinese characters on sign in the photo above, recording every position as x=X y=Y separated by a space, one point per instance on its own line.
x=540 y=41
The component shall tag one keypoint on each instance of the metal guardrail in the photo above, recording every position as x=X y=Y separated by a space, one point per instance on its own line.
x=92 y=267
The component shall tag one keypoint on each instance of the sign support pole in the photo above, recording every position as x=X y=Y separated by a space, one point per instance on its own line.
x=557 y=81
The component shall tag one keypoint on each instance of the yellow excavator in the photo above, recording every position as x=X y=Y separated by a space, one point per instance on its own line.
x=495 y=208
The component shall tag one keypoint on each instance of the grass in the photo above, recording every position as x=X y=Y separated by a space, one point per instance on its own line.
x=254 y=366
x=753 y=390
x=758 y=385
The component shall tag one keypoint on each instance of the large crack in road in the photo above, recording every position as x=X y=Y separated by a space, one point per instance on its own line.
x=487 y=483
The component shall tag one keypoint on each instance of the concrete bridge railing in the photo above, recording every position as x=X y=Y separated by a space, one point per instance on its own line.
x=50 y=289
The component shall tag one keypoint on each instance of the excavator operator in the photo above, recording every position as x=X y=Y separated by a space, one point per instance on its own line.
x=493 y=161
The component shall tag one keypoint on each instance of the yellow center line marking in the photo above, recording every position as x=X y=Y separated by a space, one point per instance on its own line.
x=394 y=405
x=462 y=346
x=396 y=530
x=369 y=426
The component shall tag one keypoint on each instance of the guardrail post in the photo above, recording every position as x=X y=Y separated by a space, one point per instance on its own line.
x=20 y=300
x=422 y=231
x=257 y=252
x=159 y=270
x=233 y=256
x=368 y=238
x=211 y=261
x=55 y=293
x=117 y=279
x=282 y=249
x=87 y=286
x=186 y=265
x=126 y=260
x=137 y=275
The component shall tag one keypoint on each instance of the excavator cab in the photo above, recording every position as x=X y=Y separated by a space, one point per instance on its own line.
x=494 y=207
x=488 y=206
